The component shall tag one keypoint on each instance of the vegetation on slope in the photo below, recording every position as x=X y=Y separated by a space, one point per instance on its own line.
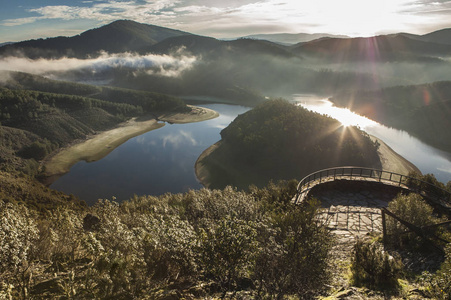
x=39 y=115
x=278 y=140
x=422 y=110
x=148 y=101
x=199 y=244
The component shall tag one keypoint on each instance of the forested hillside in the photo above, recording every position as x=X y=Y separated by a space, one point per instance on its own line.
x=278 y=140
x=422 y=110
x=39 y=115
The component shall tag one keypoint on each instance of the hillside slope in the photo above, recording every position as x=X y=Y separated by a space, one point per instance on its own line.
x=277 y=140
x=119 y=36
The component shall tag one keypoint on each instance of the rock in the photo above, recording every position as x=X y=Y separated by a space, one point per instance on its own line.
x=90 y=222
x=49 y=286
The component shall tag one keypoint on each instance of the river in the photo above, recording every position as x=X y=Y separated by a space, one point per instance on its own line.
x=153 y=163
x=427 y=158
x=162 y=160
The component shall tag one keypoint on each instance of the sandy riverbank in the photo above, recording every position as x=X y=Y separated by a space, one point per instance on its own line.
x=100 y=145
x=390 y=160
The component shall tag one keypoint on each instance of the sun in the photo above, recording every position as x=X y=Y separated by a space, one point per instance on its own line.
x=352 y=17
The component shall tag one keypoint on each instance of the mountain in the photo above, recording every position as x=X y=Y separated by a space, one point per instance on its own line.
x=292 y=38
x=193 y=43
x=6 y=43
x=379 y=48
x=215 y=49
x=442 y=36
x=119 y=36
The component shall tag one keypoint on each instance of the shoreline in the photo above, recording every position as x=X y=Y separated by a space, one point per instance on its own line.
x=390 y=161
x=200 y=170
x=101 y=144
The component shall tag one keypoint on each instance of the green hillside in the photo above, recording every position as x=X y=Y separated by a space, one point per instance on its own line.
x=278 y=140
x=38 y=115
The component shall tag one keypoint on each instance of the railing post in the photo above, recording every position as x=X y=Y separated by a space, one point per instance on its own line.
x=384 y=227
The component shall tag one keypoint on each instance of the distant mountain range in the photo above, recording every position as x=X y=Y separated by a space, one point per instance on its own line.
x=119 y=36
x=129 y=36
x=6 y=43
x=292 y=38
x=397 y=47
x=442 y=36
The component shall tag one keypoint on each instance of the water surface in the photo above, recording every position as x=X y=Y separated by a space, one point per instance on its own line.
x=427 y=158
x=154 y=163
x=163 y=160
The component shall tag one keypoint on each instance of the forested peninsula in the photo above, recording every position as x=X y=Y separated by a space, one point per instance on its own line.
x=278 y=140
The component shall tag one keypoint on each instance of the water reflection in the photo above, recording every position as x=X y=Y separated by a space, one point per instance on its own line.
x=154 y=163
x=428 y=159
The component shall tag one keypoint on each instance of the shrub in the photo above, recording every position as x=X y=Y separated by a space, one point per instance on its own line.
x=410 y=208
x=293 y=253
x=439 y=284
x=36 y=150
x=17 y=234
x=373 y=267
x=228 y=251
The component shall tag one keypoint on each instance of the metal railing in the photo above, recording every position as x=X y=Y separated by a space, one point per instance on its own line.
x=362 y=174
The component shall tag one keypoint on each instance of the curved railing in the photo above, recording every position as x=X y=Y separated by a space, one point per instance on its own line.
x=361 y=174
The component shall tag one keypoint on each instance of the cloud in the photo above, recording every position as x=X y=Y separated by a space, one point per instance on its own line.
x=103 y=11
x=222 y=18
x=176 y=140
x=4 y=76
x=20 y=21
x=164 y=65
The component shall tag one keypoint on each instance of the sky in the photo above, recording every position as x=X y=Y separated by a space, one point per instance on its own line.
x=30 y=19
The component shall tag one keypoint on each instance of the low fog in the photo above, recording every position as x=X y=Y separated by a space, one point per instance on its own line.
x=161 y=65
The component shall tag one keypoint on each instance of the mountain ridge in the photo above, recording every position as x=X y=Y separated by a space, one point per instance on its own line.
x=291 y=38
x=118 y=36
x=129 y=36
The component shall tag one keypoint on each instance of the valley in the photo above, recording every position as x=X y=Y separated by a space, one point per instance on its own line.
x=171 y=174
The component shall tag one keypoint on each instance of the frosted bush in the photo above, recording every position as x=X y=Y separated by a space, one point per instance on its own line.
x=17 y=232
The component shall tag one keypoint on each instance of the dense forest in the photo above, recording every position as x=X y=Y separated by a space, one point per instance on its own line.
x=38 y=115
x=422 y=110
x=278 y=140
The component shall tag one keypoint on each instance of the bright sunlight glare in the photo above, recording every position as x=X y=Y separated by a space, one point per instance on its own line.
x=343 y=115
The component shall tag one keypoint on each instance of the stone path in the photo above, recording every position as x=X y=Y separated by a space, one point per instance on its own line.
x=350 y=213
x=352 y=210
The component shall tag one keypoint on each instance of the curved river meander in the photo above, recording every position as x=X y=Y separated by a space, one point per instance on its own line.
x=162 y=160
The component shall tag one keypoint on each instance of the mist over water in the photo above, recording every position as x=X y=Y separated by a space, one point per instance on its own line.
x=427 y=158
